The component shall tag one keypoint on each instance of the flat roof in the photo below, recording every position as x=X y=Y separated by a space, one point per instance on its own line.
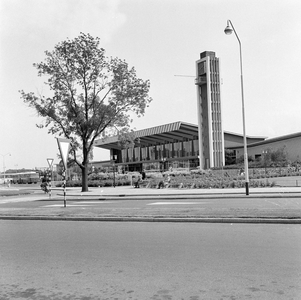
x=169 y=132
x=247 y=136
x=271 y=140
x=177 y=131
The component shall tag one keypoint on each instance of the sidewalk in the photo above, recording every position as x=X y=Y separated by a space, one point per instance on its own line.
x=129 y=191
x=262 y=205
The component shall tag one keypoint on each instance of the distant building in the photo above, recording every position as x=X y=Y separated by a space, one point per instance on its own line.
x=105 y=165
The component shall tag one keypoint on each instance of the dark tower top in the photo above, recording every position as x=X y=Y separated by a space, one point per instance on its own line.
x=207 y=53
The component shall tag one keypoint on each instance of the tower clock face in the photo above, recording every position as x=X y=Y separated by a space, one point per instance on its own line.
x=202 y=68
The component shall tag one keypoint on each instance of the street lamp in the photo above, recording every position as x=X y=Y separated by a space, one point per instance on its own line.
x=265 y=152
x=228 y=31
x=3 y=156
x=113 y=159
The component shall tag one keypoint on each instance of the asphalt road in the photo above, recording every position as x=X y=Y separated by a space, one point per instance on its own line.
x=39 y=204
x=96 y=260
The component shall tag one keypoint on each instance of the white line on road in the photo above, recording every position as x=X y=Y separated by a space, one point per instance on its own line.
x=80 y=204
x=272 y=202
x=172 y=203
x=30 y=198
x=93 y=202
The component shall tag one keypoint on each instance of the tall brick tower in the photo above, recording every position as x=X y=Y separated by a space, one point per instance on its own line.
x=211 y=137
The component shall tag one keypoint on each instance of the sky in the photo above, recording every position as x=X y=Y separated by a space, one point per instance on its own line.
x=161 y=39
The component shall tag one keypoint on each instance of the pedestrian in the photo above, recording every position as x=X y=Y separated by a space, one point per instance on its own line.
x=136 y=182
x=167 y=181
x=160 y=184
x=143 y=175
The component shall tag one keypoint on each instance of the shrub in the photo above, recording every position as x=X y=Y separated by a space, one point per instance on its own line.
x=200 y=172
x=181 y=172
x=152 y=175
x=97 y=183
x=201 y=179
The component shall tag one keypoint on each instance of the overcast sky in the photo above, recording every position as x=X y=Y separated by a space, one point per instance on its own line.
x=161 y=39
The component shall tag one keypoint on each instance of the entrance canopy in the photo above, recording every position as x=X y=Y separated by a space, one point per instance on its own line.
x=178 y=131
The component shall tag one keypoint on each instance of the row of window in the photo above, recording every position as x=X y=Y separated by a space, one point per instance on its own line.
x=159 y=152
x=157 y=166
x=170 y=165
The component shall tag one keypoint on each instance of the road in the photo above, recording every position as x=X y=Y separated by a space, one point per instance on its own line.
x=39 y=204
x=194 y=261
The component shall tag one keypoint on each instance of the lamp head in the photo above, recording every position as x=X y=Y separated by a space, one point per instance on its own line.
x=228 y=30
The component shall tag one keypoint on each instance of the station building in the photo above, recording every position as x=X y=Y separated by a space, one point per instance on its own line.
x=176 y=145
x=185 y=145
x=173 y=145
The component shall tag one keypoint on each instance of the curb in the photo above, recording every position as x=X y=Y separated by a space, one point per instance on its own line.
x=13 y=194
x=184 y=196
x=178 y=196
x=158 y=219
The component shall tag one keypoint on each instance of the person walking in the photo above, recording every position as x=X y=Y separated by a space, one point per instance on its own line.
x=137 y=181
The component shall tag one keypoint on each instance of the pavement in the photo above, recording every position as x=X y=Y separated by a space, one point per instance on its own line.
x=129 y=191
x=262 y=205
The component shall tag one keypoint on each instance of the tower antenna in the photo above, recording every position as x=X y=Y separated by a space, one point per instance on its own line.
x=184 y=76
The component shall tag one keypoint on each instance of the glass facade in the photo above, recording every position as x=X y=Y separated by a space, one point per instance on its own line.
x=152 y=152
x=137 y=153
x=183 y=154
x=131 y=156
x=144 y=153
x=178 y=149
x=169 y=150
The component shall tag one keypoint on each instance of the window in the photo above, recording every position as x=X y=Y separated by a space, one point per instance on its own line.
x=168 y=150
x=195 y=147
x=187 y=148
x=124 y=155
x=160 y=151
x=131 y=154
x=178 y=149
x=144 y=153
x=152 y=152
x=137 y=153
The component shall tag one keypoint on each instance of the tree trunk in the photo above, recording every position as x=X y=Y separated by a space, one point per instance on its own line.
x=85 y=164
x=85 y=179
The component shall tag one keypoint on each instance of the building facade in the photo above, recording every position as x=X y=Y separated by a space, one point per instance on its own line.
x=164 y=147
x=160 y=148
x=291 y=144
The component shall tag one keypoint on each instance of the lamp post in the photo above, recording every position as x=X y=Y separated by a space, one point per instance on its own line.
x=114 y=183
x=3 y=156
x=265 y=152
x=228 y=31
x=114 y=158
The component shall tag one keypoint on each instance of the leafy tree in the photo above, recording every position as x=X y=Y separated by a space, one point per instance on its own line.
x=93 y=96
x=229 y=157
x=276 y=157
x=241 y=159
